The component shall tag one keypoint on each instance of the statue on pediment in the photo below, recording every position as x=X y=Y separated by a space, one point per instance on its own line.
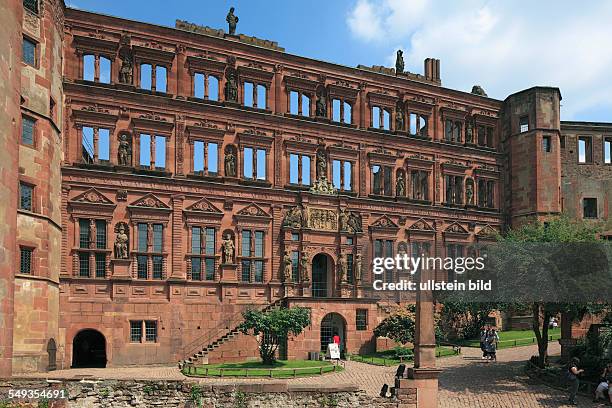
x=232 y=21
x=399 y=62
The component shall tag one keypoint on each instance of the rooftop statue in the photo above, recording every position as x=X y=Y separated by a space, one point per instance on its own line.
x=477 y=90
x=232 y=21
x=399 y=62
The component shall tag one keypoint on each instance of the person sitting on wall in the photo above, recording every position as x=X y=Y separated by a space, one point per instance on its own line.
x=603 y=390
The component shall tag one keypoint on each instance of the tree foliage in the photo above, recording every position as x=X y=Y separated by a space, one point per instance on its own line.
x=556 y=230
x=464 y=319
x=273 y=327
x=398 y=327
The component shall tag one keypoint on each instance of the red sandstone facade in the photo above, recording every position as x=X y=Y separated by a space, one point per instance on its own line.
x=170 y=143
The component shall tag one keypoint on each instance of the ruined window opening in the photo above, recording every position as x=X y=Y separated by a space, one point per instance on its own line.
x=420 y=185
x=105 y=70
x=336 y=110
x=380 y=118
x=299 y=169
x=89 y=67
x=262 y=94
x=146 y=74
x=248 y=94
x=376 y=117
x=546 y=144
x=607 y=145
x=585 y=149
x=453 y=131
x=386 y=124
x=418 y=124
x=254 y=163
x=161 y=79
x=524 y=124
x=342 y=175
x=213 y=88
x=454 y=189
x=589 y=207
x=199 y=85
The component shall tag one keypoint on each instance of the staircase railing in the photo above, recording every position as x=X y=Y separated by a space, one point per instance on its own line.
x=223 y=328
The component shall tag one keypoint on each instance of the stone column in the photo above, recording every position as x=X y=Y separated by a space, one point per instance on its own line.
x=177 y=272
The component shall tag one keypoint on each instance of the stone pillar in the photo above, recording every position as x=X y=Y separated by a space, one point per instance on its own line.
x=566 y=341
x=178 y=272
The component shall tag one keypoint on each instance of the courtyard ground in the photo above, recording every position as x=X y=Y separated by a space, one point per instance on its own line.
x=466 y=380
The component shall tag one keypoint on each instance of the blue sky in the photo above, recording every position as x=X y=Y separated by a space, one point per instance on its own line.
x=502 y=46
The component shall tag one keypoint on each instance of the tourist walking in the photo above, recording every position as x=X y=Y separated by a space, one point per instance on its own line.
x=491 y=344
x=483 y=341
x=572 y=378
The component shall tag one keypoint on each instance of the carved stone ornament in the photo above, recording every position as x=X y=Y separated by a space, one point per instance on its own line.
x=92 y=196
x=477 y=90
x=253 y=210
x=124 y=150
x=342 y=268
x=287 y=266
x=150 y=201
x=456 y=228
x=321 y=107
x=231 y=86
x=400 y=184
x=293 y=218
x=323 y=187
x=358 y=268
x=305 y=266
x=322 y=219
x=121 y=241
x=321 y=164
x=384 y=222
x=349 y=221
x=230 y=161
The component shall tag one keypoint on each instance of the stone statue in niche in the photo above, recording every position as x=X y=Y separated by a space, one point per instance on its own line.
x=231 y=86
x=121 y=241
x=469 y=132
x=477 y=90
x=399 y=116
x=232 y=21
x=230 y=162
x=321 y=108
x=150 y=235
x=342 y=268
x=321 y=164
x=305 y=265
x=400 y=184
x=92 y=233
x=287 y=266
x=228 y=249
x=358 y=268
x=469 y=192
x=126 y=71
x=399 y=62
x=124 y=152
x=293 y=218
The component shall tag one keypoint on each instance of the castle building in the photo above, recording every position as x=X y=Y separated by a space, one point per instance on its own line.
x=155 y=182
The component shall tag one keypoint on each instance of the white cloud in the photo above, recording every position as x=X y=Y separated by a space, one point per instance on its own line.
x=503 y=46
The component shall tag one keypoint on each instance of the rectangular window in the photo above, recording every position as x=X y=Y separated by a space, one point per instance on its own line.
x=89 y=67
x=142 y=237
x=376 y=179
x=161 y=79
x=198 y=156
x=100 y=265
x=196 y=268
x=248 y=163
x=87 y=141
x=213 y=158
x=213 y=88
x=262 y=100
x=361 y=319
x=585 y=150
x=546 y=144
x=158 y=238
x=336 y=165
x=105 y=70
x=145 y=150
x=25 y=260
x=246 y=271
x=198 y=85
x=607 y=150
x=295 y=236
x=196 y=237
x=136 y=331
x=160 y=152
x=158 y=267
x=248 y=94
x=26 y=193
x=348 y=172
x=142 y=267
x=83 y=233
x=336 y=110
x=103 y=145
x=29 y=52
x=31 y=5
x=101 y=234
x=295 y=265
x=378 y=248
x=341 y=174
x=151 y=331
x=294 y=168
x=259 y=244
x=145 y=76
x=387 y=181
x=589 y=207
x=210 y=269
x=524 y=124
x=259 y=271
x=27 y=130
x=261 y=164
x=246 y=243
x=84 y=264
x=210 y=241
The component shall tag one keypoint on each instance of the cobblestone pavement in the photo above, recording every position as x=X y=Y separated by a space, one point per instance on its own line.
x=466 y=380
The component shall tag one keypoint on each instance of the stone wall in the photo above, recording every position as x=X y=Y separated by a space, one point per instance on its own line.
x=147 y=394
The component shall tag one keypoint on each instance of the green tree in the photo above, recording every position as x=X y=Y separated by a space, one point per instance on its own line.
x=464 y=318
x=274 y=326
x=398 y=327
x=527 y=266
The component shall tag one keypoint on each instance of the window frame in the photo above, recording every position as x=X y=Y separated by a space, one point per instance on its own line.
x=22 y=250
x=32 y=41
x=24 y=119
x=595 y=209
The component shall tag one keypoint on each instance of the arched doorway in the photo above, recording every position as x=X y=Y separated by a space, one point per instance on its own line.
x=321 y=276
x=52 y=354
x=333 y=323
x=89 y=349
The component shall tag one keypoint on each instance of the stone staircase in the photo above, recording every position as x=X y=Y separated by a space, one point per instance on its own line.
x=202 y=356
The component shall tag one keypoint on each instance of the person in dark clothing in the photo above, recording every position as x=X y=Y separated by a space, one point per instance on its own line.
x=572 y=378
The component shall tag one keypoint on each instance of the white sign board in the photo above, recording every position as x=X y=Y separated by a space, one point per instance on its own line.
x=333 y=351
